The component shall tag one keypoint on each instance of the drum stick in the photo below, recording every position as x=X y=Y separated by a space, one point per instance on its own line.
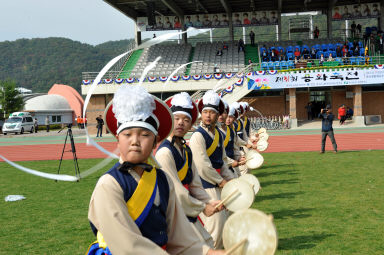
x=236 y=246
x=249 y=159
x=225 y=199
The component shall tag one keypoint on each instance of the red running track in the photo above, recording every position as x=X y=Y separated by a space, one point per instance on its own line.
x=289 y=143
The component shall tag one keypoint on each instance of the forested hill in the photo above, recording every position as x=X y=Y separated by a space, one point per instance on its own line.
x=37 y=64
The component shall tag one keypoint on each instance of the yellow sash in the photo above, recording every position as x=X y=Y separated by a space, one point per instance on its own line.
x=227 y=136
x=214 y=144
x=142 y=199
x=184 y=170
x=144 y=193
x=238 y=125
x=245 y=121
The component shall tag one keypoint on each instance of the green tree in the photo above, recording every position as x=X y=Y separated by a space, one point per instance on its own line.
x=10 y=98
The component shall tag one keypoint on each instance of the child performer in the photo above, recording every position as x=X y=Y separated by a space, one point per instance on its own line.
x=133 y=208
x=208 y=155
x=176 y=160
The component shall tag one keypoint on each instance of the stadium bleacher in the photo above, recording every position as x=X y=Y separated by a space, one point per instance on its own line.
x=325 y=48
x=230 y=61
x=172 y=56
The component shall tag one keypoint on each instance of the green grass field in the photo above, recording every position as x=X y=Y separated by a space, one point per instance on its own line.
x=322 y=204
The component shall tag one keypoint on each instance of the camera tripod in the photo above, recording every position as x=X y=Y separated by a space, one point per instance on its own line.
x=73 y=150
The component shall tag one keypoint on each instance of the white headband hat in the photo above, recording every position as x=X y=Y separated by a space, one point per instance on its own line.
x=245 y=105
x=133 y=106
x=182 y=104
x=226 y=106
x=211 y=101
x=232 y=111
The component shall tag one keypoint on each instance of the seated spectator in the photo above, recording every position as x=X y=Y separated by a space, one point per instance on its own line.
x=225 y=47
x=330 y=58
x=249 y=62
x=345 y=50
x=346 y=45
x=282 y=56
x=297 y=53
x=345 y=58
x=356 y=51
x=305 y=53
x=349 y=113
x=339 y=53
x=355 y=44
x=313 y=53
x=296 y=60
x=273 y=55
x=219 y=52
x=265 y=56
x=321 y=59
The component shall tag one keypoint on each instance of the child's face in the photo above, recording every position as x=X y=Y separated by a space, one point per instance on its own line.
x=223 y=117
x=182 y=124
x=135 y=144
x=209 y=117
x=229 y=120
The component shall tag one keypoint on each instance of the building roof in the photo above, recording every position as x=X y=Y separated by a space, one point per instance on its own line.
x=46 y=103
x=73 y=98
x=138 y=8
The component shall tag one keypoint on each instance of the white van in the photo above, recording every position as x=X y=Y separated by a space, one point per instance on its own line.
x=19 y=122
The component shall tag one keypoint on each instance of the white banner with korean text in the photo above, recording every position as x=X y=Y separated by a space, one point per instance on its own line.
x=315 y=79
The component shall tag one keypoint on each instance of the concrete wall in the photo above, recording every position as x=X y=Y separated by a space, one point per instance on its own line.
x=302 y=99
x=373 y=103
x=268 y=105
x=339 y=98
x=96 y=107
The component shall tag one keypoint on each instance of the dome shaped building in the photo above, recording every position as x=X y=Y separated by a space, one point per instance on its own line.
x=62 y=104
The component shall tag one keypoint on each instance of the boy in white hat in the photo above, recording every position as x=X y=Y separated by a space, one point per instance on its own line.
x=235 y=143
x=176 y=159
x=239 y=124
x=229 y=138
x=247 y=123
x=208 y=155
x=133 y=208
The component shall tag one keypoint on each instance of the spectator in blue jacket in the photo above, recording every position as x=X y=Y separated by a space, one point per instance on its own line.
x=327 y=117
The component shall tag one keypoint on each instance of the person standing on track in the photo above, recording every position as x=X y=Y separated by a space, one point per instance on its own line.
x=327 y=117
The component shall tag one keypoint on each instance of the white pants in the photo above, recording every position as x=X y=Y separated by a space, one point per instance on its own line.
x=244 y=169
x=204 y=236
x=215 y=223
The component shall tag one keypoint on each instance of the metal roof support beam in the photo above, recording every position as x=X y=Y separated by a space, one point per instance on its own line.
x=279 y=7
x=127 y=11
x=329 y=18
x=381 y=18
x=231 y=34
x=226 y=6
x=173 y=7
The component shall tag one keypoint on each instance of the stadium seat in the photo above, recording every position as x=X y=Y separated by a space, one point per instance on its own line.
x=360 y=60
x=289 y=49
x=283 y=65
x=290 y=56
x=271 y=65
x=264 y=66
x=362 y=50
x=324 y=47
x=291 y=65
x=276 y=65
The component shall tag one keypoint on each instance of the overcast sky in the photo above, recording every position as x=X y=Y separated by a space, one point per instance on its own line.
x=87 y=21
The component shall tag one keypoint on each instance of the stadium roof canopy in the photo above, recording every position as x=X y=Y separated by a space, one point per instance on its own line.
x=138 y=8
